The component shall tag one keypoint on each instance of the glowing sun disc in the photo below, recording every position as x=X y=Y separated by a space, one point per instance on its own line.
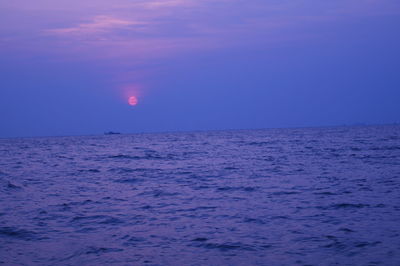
x=132 y=101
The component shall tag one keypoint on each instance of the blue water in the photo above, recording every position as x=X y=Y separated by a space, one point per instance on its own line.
x=317 y=196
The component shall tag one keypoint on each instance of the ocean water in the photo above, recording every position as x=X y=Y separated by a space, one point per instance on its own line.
x=312 y=196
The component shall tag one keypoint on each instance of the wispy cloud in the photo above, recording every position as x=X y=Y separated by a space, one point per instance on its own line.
x=154 y=28
x=166 y=3
x=99 y=24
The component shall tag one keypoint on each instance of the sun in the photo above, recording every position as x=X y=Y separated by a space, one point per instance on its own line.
x=133 y=101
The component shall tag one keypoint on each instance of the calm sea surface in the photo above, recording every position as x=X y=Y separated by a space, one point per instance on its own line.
x=317 y=196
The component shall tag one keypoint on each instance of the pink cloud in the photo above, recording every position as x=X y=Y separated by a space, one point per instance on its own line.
x=99 y=24
x=136 y=31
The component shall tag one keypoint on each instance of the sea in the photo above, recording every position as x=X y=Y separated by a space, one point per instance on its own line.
x=299 y=196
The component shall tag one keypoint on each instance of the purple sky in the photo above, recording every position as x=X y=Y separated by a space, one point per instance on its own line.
x=69 y=67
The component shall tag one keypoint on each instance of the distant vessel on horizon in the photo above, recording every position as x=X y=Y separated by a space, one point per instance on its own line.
x=112 y=133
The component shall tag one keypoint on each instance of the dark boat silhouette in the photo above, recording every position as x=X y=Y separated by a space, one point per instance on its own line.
x=112 y=133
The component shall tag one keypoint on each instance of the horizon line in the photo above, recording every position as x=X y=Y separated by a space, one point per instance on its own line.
x=204 y=130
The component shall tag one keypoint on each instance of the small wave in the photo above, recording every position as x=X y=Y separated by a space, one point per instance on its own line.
x=64 y=157
x=159 y=193
x=337 y=245
x=201 y=187
x=254 y=220
x=97 y=250
x=340 y=245
x=197 y=209
x=16 y=233
x=281 y=193
x=3 y=174
x=231 y=168
x=260 y=143
x=308 y=239
x=13 y=186
x=122 y=156
x=150 y=156
x=349 y=205
x=344 y=206
x=125 y=170
x=89 y=170
x=132 y=240
x=121 y=170
x=128 y=180
x=346 y=230
x=325 y=193
x=146 y=170
x=92 y=250
x=277 y=217
x=248 y=189
x=183 y=173
x=69 y=205
x=268 y=158
x=365 y=244
x=200 y=239
x=97 y=219
x=228 y=246
x=385 y=148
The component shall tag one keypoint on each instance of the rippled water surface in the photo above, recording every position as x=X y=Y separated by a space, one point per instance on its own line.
x=318 y=196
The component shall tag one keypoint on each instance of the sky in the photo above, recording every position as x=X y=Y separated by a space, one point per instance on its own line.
x=70 y=67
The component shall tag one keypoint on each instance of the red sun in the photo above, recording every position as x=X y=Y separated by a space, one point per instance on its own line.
x=132 y=100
